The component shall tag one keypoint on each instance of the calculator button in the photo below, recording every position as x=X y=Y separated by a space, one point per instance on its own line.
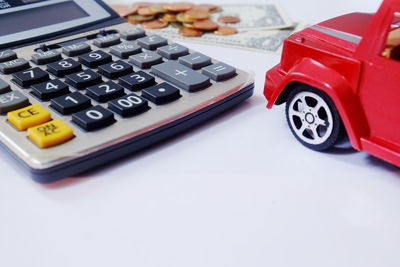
x=108 y=40
x=133 y=34
x=161 y=94
x=195 y=61
x=50 y=134
x=4 y=87
x=70 y=103
x=125 y=50
x=93 y=118
x=46 y=57
x=115 y=69
x=27 y=117
x=51 y=89
x=64 y=67
x=95 y=59
x=181 y=76
x=129 y=105
x=76 y=49
x=145 y=60
x=14 y=65
x=137 y=80
x=219 y=72
x=173 y=51
x=29 y=77
x=152 y=42
x=105 y=91
x=83 y=79
x=7 y=55
x=12 y=101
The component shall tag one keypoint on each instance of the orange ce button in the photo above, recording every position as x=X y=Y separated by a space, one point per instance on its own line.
x=27 y=117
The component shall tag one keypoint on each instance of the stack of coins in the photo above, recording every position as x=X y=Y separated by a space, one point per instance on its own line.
x=192 y=20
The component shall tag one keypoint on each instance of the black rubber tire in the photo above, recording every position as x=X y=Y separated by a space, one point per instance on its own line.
x=338 y=131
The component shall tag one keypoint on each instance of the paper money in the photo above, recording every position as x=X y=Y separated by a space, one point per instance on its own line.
x=267 y=41
x=261 y=17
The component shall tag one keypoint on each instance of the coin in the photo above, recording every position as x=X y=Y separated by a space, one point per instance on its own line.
x=197 y=13
x=229 y=19
x=124 y=10
x=181 y=17
x=187 y=32
x=136 y=19
x=225 y=30
x=210 y=7
x=157 y=8
x=146 y=11
x=206 y=25
x=169 y=17
x=155 y=24
x=178 y=7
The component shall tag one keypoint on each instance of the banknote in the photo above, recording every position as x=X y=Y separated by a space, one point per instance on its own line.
x=262 y=17
x=267 y=41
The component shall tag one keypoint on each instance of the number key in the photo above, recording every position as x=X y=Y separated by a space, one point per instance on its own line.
x=129 y=105
x=64 y=67
x=48 y=90
x=70 y=103
x=105 y=91
x=29 y=77
x=137 y=80
x=83 y=79
x=115 y=69
x=95 y=59
x=93 y=118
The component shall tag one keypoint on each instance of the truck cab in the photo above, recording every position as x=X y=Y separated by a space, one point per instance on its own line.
x=341 y=77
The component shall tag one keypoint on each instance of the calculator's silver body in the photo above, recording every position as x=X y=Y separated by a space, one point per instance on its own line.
x=86 y=143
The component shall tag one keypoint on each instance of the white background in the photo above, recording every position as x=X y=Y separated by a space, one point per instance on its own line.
x=236 y=191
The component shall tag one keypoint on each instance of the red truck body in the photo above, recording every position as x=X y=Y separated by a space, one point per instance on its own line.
x=350 y=60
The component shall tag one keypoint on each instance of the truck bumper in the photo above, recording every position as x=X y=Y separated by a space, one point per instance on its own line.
x=274 y=84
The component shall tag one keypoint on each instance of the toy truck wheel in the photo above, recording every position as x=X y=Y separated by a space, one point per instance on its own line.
x=313 y=118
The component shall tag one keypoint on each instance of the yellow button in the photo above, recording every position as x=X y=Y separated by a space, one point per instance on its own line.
x=30 y=116
x=50 y=134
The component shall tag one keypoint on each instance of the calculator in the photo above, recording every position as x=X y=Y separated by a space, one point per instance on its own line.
x=80 y=87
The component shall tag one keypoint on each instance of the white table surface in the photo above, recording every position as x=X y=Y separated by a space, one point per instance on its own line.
x=236 y=191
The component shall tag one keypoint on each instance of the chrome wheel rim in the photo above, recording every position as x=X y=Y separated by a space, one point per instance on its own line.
x=310 y=118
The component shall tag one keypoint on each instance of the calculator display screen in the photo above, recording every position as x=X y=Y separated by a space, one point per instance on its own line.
x=57 y=13
x=22 y=21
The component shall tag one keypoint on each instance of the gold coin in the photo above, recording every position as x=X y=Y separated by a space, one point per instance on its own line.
x=225 y=30
x=187 y=32
x=178 y=7
x=146 y=11
x=177 y=25
x=124 y=10
x=169 y=17
x=181 y=17
x=157 y=8
x=197 y=13
x=155 y=24
x=229 y=19
x=205 y=24
x=189 y=25
x=136 y=19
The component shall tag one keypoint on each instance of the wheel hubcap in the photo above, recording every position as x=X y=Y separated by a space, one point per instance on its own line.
x=311 y=118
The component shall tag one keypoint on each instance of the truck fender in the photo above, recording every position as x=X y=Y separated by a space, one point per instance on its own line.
x=329 y=81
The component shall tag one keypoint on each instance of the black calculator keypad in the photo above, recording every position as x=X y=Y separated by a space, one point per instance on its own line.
x=93 y=118
x=115 y=69
x=105 y=91
x=95 y=59
x=129 y=105
x=137 y=80
x=161 y=94
x=29 y=77
x=64 y=67
x=50 y=89
x=83 y=79
x=70 y=103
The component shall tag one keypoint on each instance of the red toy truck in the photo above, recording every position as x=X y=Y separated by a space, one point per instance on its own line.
x=343 y=76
